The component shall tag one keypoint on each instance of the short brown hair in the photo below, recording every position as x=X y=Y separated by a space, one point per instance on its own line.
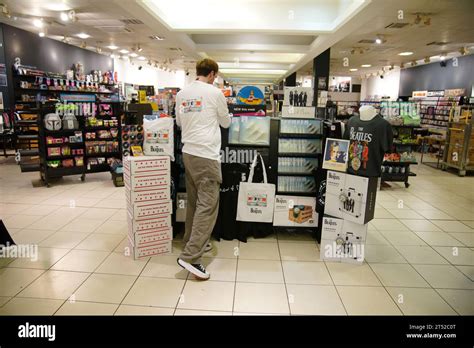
x=205 y=66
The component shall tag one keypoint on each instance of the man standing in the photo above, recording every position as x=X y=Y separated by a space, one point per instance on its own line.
x=200 y=109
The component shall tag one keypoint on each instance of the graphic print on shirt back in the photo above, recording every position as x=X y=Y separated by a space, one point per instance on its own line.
x=359 y=148
x=191 y=105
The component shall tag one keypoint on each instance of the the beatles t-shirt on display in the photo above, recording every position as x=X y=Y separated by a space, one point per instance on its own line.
x=369 y=140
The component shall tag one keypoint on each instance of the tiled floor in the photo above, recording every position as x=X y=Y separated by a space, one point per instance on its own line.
x=419 y=258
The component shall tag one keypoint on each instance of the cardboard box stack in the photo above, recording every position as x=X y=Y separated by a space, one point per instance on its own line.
x=147 y=189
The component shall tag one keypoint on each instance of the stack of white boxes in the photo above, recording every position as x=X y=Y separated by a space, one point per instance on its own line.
x=147 y=188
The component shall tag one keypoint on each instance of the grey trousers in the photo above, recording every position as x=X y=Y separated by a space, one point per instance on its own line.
x=203 y=180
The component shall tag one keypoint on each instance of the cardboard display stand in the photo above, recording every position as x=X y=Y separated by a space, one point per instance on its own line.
x=147 y=191
x=350 y=197
x=342 y=240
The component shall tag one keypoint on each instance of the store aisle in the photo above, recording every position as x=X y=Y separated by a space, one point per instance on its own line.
x=420 y=258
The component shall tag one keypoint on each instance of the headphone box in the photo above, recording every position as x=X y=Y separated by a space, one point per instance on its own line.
x=342 y=240
x=350 y=197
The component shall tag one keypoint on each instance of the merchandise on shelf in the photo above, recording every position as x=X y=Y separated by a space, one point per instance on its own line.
x=303 y=146
x=310 y=127
x=299 y=165
x=295 y=211
x=306 y=184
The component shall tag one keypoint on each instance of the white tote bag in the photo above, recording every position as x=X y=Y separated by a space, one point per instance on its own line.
x=256 y=201
x=159 y=137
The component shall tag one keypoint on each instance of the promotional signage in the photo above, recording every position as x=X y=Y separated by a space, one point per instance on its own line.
x=251 y=95
x=454 y=92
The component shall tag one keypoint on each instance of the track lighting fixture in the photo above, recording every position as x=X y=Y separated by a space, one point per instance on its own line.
x=427 y=60
x=418 y=19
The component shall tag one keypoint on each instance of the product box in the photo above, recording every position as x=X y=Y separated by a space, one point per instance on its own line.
x=148 y=224
x=182 y=199
x=146 y=164
x=350 y=197
x=336 y=154
x=295 y=211
x=147 y=237
x=156 y=248
x=153 y=195
x=157 y=179
x=146 y=210
x=342 y=240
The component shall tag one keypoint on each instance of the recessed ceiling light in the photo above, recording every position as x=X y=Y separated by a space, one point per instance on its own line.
x=378 y=41
x=353 y=69
x=366 y=65
x=133 y=55
x=112 y=47
x=123 y=51
x=83 y=35
x=38 y=23
x=64 y=16
x=42 y=34
x=408 y=53
x=142 y=58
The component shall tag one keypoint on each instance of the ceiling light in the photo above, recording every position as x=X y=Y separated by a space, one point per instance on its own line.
x=463 y=50
x=402 y=65
x=41 y=34
x=427 y=59
x=414 y=63
x=139 y=49
x=112 y=47
x=64 y=16
x=366 y=65
x=65 y=39
x=141 y=58
x=353 y=69
x=83 y=36
x=38 y=23
x=442 y=57
x=98 y=49
x=378 y=41
x=83 y=44
x=156 y=37
x=408 y=53
x=112 y=56
x=133 y=54
x=123 y=51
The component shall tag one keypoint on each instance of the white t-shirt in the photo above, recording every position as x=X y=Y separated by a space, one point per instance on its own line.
x=200 y=109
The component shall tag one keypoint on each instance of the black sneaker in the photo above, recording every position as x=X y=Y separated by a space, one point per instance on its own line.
x=196 y=268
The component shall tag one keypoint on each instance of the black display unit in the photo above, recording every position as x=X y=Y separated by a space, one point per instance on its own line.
x=81 y=153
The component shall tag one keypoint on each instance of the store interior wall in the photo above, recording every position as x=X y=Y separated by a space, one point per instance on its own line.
x=46 y=54
x=432 y=76
x=375 y=87
x=344 y=96
x=147 y=75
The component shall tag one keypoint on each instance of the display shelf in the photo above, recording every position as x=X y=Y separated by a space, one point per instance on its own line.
x=61 y=132
x=104 y=154
x=66 y=144
x=301 y=135
x=98 y=168
x=64 y=171
x=93 y=129
x=61 y=91
x=298 y=154
x=294 y=174
x=398 y=163
x=52 y=158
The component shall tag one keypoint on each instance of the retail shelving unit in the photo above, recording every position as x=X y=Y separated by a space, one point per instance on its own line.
x=435 y=111
x=299 y=155
x=460 y=142
x=87 y=157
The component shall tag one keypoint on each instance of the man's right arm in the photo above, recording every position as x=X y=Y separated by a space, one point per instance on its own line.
x=222 y=111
